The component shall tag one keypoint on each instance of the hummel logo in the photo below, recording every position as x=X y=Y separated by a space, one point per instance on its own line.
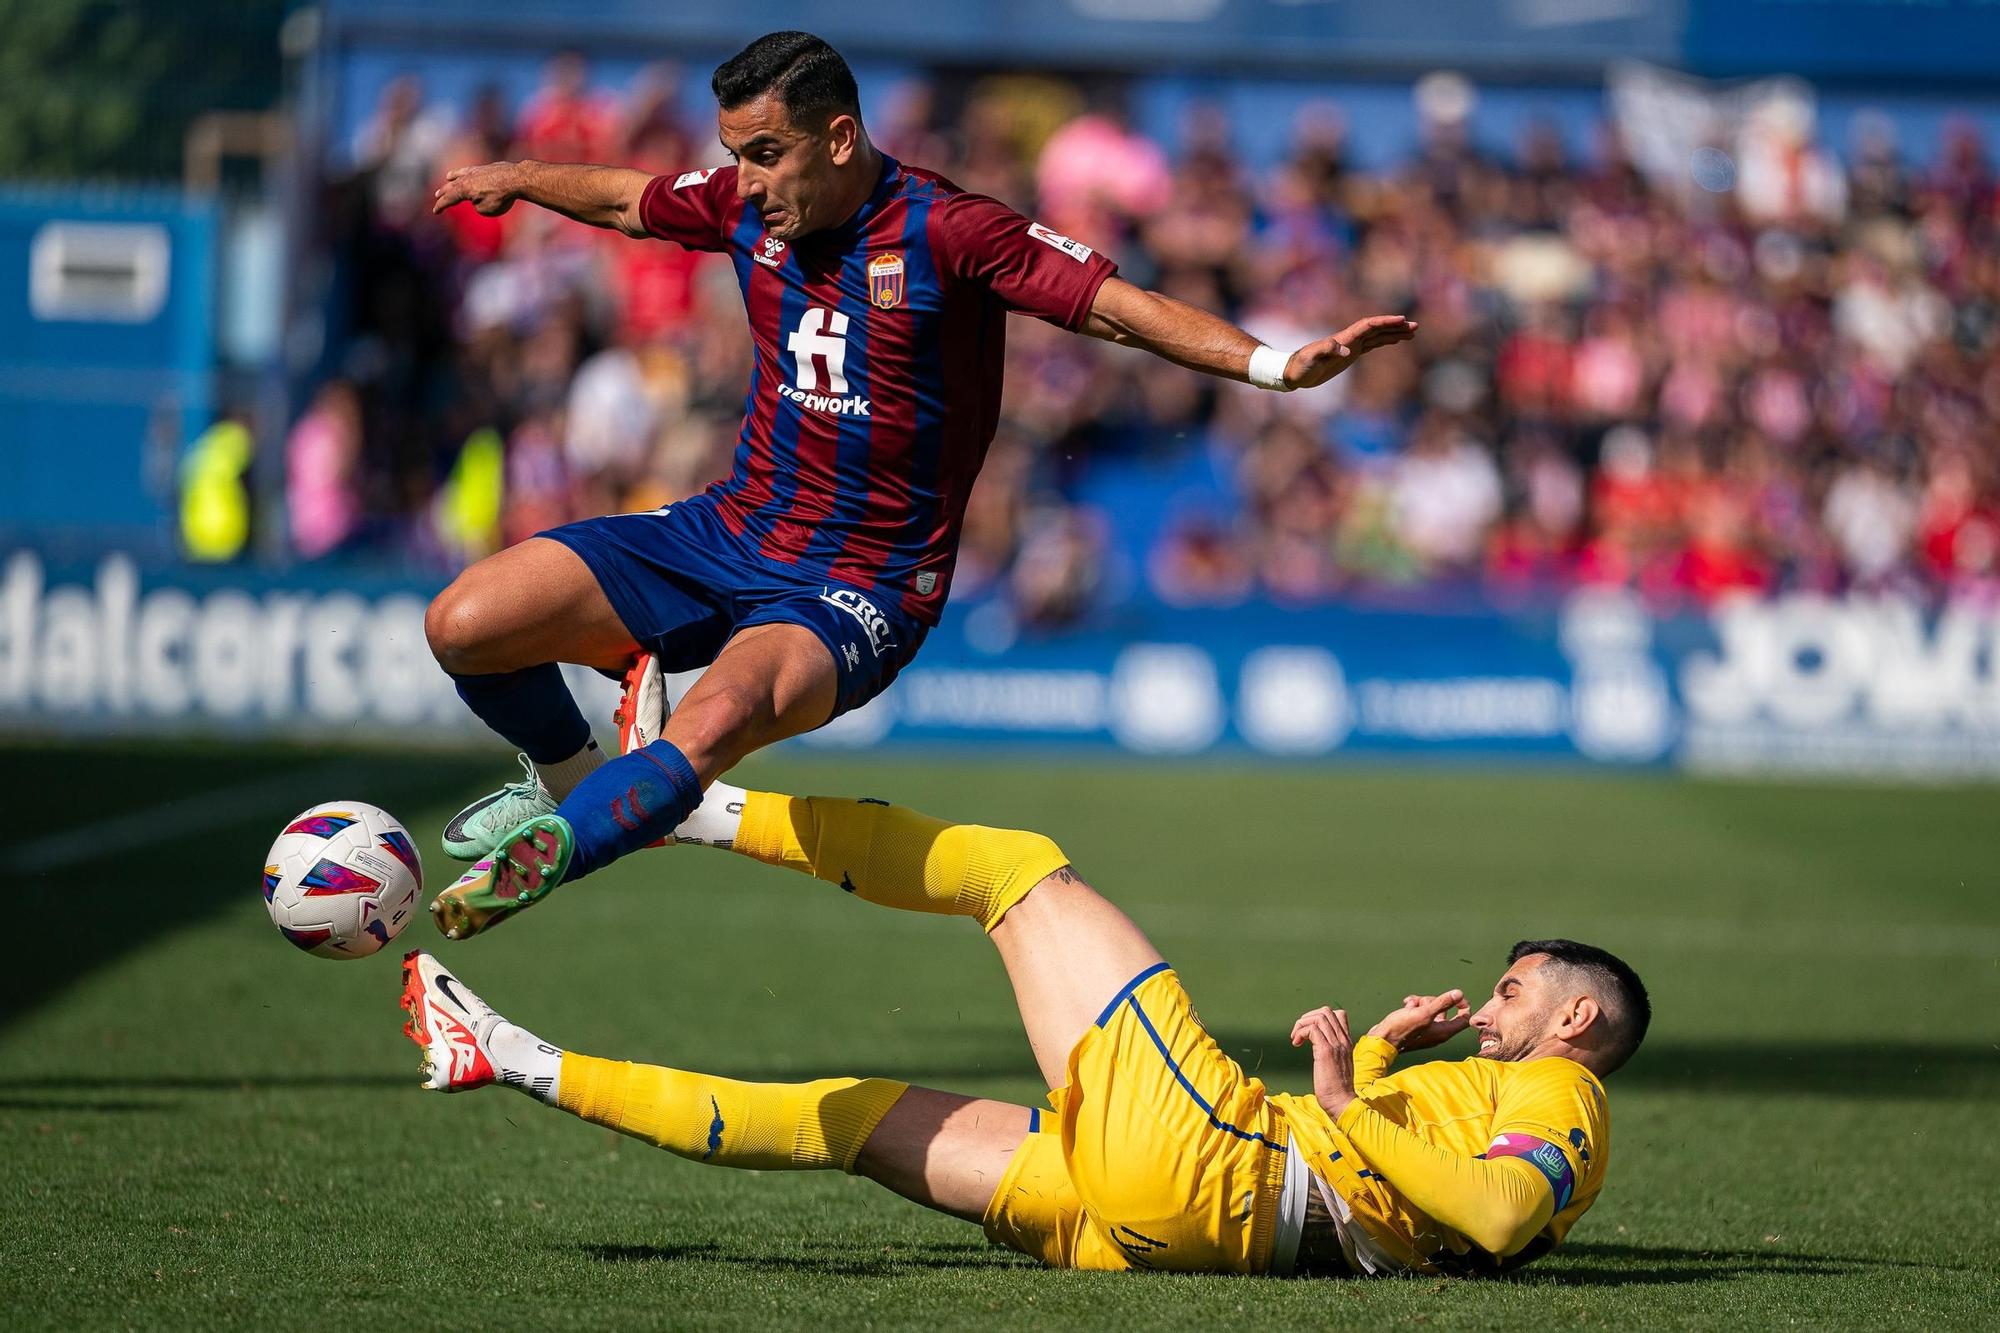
x=773 y=254
x=853 y=655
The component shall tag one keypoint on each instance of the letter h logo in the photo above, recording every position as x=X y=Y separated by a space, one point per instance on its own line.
x=821 y=333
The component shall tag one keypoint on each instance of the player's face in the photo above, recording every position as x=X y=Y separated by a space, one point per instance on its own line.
x=1520 y=1016
x=788 y=173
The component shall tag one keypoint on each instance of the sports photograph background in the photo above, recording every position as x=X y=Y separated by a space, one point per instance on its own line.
x=1650 y=597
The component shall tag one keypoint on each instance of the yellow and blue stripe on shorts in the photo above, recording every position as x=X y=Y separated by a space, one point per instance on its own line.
x=1160 y=1152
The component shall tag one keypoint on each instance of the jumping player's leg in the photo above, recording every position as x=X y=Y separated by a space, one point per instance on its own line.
x=770 y=681
x=534 y=602
x=500 y=629
x=1068 y=950
x=939 y=1149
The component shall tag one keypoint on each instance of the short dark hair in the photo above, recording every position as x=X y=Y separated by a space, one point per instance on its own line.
x=1621 y=998
x=808 y=76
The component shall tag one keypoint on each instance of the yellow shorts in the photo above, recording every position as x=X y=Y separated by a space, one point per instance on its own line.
x=1161 y=1153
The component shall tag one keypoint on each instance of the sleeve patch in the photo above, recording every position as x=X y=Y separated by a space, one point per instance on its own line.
x=1076 y=250
x=687 y=178
x=1544 y=1156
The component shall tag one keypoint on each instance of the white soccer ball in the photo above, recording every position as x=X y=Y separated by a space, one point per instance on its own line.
x=343 y=879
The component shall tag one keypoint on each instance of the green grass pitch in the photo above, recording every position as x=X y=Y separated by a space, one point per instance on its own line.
x=203 y=1128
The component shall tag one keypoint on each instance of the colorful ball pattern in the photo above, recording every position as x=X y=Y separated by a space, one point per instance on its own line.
x=343 y=879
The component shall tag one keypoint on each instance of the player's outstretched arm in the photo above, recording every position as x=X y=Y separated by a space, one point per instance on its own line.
x=601 y=196
x=1190 y=336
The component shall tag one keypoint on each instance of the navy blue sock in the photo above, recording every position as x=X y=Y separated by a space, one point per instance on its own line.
x=532 y=709
x=630 y=801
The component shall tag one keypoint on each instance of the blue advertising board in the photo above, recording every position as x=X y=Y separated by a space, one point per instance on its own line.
x=107 y=311
x=1865 y=39
x=1793 y=684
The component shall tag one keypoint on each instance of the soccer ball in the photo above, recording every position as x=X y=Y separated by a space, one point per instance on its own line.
x=342 y=879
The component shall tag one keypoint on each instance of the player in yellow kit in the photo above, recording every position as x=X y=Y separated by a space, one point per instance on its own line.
x=1156 y=1150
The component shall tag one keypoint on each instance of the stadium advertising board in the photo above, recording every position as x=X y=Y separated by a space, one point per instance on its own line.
x=1871 y=39
x=1798 y=683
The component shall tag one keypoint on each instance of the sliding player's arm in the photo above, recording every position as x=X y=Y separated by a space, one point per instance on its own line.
x=1499 y=1203
x=1423 y=1021
x=601 y=196
x=1190 y=336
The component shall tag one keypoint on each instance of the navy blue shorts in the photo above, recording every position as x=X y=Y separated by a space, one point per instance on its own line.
x=683 y=584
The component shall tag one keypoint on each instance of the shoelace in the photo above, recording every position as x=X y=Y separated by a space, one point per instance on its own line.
x=529 y=786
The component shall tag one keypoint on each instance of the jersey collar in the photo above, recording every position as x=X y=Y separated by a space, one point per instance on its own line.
x=884 y=191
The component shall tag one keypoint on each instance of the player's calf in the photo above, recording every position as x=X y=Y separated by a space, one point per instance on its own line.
x=887 y=854
x=821 y=1125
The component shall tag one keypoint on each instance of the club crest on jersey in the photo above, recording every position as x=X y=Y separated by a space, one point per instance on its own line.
x=885 y=280
x=873 y=622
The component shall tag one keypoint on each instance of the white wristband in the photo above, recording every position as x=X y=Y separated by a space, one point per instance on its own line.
x=1267 y=368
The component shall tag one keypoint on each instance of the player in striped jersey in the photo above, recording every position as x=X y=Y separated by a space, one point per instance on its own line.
x=877 y=295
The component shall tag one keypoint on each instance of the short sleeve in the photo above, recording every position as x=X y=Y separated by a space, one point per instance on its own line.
x=1026 y=266
x=1554 y=1118
x=690 y=209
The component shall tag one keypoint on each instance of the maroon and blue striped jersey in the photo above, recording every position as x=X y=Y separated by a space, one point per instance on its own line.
x=876 y=385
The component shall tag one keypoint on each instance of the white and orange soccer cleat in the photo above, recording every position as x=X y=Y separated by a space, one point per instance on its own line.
x=642 y=704
x=642 y=710
x=450 y=1023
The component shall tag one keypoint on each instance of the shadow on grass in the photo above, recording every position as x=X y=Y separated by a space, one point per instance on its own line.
x=1844 y=1069
x=1930 y=1070
x=97 y=1105
x=1600 y=1264
x=1582 y=1264
x=63 y=1092
x=831 y=1258
x=101 y=880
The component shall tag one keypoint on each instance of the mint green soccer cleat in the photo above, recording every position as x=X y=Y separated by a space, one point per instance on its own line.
x=529 y=862
x=476 y=830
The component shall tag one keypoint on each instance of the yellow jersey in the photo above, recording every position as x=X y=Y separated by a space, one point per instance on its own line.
x=1550 y=1112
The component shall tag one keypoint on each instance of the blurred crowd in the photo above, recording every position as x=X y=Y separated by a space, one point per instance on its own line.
x=1778 y=370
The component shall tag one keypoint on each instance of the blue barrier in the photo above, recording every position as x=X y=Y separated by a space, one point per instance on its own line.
x=107 y=305
x=1868 y=39
x=1795 y=684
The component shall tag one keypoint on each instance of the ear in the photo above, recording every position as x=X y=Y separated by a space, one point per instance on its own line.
x=1577 y=1018
x=843 y=138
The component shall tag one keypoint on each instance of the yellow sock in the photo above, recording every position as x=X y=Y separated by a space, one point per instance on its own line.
x=896 y=857
x=759 y=1126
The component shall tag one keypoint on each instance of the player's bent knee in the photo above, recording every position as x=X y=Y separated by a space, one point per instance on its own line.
x=451 y=627
x=1007 y=864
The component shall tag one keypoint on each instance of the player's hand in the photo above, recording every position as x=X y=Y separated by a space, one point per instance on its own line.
x=1333 y=1057
x=491 y=188
x=1424 y=1020
x=1316 y=363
